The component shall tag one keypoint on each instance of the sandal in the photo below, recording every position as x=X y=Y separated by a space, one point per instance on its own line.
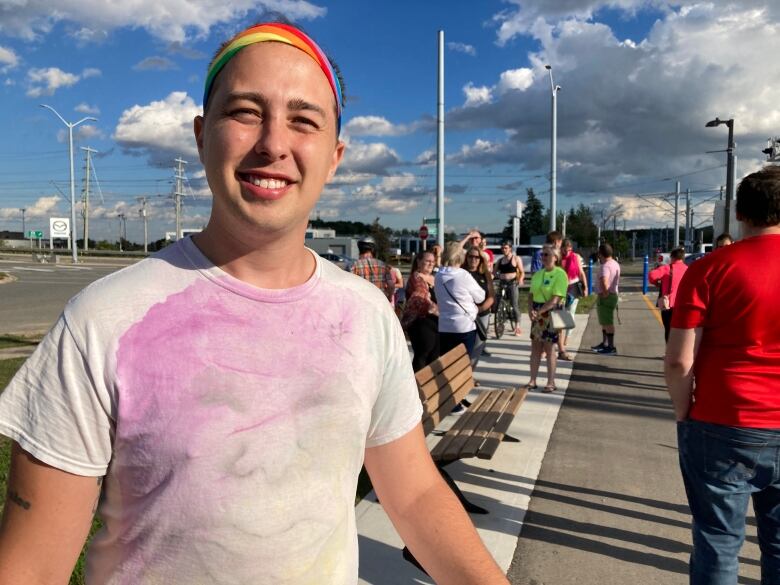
x=529 y=387
x=549 y=389
x=562 y=355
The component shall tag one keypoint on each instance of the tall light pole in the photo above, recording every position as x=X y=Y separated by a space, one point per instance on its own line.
x=553 y=150
x=730 y=167
x=440 y=145
x=23 y=209
x=71 y=126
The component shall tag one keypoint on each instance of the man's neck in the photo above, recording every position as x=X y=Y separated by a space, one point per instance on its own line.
x=750 y=231
x=273 y=261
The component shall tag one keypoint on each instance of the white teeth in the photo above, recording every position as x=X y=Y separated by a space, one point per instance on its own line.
x=268 y=183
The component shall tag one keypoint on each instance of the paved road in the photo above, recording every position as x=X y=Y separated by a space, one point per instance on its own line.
x=35 y=299
x=609 y=506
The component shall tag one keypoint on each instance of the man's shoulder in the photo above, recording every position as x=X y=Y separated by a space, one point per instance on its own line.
x=347 y=282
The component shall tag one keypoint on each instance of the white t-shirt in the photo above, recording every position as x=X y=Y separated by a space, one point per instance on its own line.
x=230 y=421
x=460 y=287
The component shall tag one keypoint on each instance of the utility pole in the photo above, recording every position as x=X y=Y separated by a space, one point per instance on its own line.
x=142 y=212
x=23 y=209
x=179 y=174
x=440 y=146
x=676 y=238
x=121 y=217
x=85 y=210
x=553 y=151
x=687 y=218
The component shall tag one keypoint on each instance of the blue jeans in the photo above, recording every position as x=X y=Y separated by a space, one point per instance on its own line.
x=722 y=467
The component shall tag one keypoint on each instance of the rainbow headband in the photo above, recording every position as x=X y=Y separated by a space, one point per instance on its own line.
x=281 y=33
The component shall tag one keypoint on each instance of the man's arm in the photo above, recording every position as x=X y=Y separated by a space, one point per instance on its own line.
x=681 y=353
x=427 y=515
x=47 y=517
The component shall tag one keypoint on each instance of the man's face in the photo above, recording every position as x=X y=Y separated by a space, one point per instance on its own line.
x=268 y=142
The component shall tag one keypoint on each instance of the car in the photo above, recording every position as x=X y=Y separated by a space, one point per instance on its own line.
x=339 y=260
x=691 y=258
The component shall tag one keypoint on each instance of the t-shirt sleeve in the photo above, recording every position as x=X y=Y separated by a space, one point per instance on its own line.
x=560 y=284
x=397 y=409
x=692 y=299
x=57 y=407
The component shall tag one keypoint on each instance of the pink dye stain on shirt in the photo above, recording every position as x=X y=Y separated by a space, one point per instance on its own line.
x=227 y=403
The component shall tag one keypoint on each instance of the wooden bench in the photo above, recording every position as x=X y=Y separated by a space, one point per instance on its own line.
x=478 y=431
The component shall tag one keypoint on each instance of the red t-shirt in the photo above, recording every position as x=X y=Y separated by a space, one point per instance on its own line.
x=732 y=295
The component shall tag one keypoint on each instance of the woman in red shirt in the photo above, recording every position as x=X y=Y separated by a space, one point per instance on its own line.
x=667 y=278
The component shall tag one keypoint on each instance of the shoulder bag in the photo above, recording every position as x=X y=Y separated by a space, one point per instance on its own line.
x=664 y=302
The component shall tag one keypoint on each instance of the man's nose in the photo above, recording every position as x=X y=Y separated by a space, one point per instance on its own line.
x=272 y=139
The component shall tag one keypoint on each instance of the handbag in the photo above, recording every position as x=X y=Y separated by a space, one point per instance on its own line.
x=561 y=319
x=481 y=329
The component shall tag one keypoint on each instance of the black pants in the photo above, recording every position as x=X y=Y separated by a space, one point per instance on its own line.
x=666 y=317
x=424 y=335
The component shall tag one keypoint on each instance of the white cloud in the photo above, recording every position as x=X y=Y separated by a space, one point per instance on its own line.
x=85 y=108
x=372 y=126
x=48 y=80
x=8 y=59
x=161 y=130
x=373 y=158
x=91 y=72
x=169 y=20
x=476 y=96
x=634 y=108
x=42 y=207
x=516 y=80
x=462 y=48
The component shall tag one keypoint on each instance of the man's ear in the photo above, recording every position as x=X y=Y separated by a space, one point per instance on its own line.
x=197 y=127
x=338 y=156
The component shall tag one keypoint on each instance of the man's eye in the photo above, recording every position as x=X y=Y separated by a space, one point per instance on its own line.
x=304 y=121
x=244 y=114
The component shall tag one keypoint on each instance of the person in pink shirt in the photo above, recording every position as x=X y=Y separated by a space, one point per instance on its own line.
x=607 y=290
x=667 y=278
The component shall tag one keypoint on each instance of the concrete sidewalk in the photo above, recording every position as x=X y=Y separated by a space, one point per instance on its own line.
x=503 y=484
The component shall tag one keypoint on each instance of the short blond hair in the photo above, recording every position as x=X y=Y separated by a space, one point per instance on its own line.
x=453 y=255
x=555 y=251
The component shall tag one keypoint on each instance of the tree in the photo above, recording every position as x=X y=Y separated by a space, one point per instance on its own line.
x=532 y=220
x=381 y=235
x=581 y=227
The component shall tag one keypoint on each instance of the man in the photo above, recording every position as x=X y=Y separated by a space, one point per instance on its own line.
x=723 y=239
x=722 y=370
x=230 y=388
x=372 y=269
x=554 y=238
x=607 y=281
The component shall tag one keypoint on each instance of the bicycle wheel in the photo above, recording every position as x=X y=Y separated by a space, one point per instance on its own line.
x=500 y=317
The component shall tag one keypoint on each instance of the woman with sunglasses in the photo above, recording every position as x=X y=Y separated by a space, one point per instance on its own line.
x=548 y=291
x=420 y=318
x=478 y=265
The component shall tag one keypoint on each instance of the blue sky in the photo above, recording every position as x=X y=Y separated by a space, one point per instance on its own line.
x=640 y=78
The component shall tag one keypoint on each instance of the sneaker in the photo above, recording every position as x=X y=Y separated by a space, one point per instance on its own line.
x=459 y=409
x=486 y=353
x=607 y=351
x=598 y=347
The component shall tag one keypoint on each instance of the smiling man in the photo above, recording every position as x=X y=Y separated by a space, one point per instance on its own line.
x=215 y=402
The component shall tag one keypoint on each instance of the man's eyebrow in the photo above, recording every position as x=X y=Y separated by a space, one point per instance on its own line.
x=298 y=104
x=252 y=96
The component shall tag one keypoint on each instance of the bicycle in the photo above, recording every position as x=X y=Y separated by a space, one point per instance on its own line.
x=504 y=311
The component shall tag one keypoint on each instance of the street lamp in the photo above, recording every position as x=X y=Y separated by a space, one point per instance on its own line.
x=553 y=150
x=730 y=167
x=74 y=253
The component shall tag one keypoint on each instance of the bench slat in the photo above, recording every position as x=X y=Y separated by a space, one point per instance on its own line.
x=451 y=434
x=460 y=367
x=472 y=425
x=472 y=446
x=439 y=365
x=502 y=425
x=451 y=398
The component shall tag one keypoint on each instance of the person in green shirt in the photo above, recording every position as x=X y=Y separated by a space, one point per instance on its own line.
x=548 y=291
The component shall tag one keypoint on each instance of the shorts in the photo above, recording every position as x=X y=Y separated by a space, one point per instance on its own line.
x=605 y=308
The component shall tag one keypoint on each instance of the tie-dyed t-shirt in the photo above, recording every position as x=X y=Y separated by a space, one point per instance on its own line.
x=230 y=421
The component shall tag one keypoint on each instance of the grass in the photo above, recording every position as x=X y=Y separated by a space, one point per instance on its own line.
x=586 y=304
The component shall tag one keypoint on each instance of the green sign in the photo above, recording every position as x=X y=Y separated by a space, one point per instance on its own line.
x=431 y=221
x=34 y=234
